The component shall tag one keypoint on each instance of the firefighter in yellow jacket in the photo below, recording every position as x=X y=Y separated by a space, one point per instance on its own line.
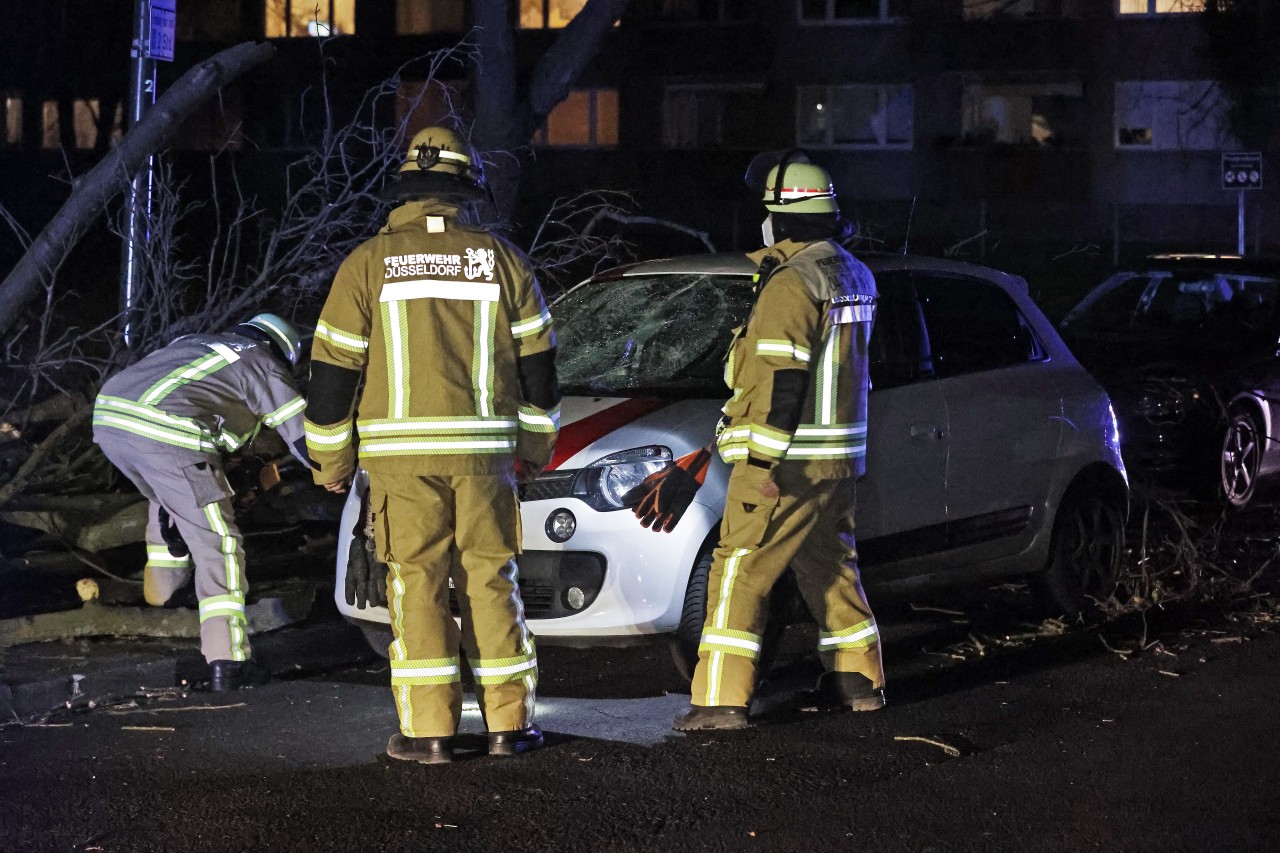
x=795 y=435
x=447 y=328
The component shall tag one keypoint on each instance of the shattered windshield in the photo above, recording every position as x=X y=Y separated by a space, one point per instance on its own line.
x=1191 y=305
x=655 y=334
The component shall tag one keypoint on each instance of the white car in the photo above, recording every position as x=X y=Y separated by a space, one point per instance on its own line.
x=991 y=452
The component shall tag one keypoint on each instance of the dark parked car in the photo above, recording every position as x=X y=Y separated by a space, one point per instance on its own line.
x=1186 y=345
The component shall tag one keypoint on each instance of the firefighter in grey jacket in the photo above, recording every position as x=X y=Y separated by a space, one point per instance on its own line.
x=163 y=422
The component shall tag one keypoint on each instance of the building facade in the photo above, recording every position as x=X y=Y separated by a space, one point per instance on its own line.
x=951 y=124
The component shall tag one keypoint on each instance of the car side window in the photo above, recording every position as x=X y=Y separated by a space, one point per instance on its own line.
x=900 y=352
x=973 y=325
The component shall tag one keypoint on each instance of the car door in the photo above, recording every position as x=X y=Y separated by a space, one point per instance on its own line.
x=1004 y=413
x=902 y=500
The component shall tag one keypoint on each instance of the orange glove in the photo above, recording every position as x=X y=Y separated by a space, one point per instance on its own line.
x=660 y=501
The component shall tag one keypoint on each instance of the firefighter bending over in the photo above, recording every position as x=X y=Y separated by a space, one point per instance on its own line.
x=448 y=328
x=795 y=434
x=163 y=421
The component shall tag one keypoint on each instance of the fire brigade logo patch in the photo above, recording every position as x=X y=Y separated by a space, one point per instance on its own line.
x=480 y=262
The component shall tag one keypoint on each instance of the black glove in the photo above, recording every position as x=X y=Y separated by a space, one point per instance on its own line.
x=366 y=576
x=660 y=501
x=171 y=535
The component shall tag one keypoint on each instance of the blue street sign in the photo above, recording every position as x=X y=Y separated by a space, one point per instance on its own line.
x=164 y=20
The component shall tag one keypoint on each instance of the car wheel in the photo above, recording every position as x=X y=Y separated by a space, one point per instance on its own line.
x=1084 y=555
x=1241 y=459
x=684 y=643
x=378 y=637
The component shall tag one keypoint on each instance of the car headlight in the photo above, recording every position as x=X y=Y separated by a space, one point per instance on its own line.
x=1161 y=406
x=603 y=483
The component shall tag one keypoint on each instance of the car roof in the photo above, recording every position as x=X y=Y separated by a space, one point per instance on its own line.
x=1255 y=264
x=737 y=263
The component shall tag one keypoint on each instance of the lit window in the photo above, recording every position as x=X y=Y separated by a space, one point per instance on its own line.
x=84 y=123
x=859 y=116
x=420 y=105
x=84 y=118
x=1024 y=114
x=1160 y=7
x=982 y=9
x=50 y=125
x=850 y=11
x=548 y=14
x=316 y=18
x=1185 y=115
x=709 y=115
x=418 y=17
x=588 y=117
x=13 y=120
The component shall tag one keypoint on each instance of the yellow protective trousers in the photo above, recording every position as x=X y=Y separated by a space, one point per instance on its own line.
x=431 y=530
x=809 y=527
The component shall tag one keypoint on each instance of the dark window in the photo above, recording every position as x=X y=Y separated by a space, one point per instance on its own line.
x=900 y=352
x=973 y=325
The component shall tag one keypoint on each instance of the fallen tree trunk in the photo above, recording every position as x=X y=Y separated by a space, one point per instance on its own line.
x=91 y=192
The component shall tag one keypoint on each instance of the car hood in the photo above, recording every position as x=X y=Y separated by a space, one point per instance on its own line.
x=592 y=427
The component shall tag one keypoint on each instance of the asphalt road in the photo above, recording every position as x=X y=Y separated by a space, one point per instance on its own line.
x=1046 y=743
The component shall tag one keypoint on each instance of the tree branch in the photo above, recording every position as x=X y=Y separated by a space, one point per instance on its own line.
x=114 y=172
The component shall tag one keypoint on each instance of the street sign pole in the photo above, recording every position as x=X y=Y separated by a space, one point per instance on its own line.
x=1240 y=226
x=153 y=36
x=1241 y=171
x=137 y=203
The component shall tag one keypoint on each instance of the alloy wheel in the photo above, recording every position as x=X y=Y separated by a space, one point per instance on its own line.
x=1241 y=458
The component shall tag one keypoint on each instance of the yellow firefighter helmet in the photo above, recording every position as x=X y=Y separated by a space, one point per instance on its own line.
x=438 y=164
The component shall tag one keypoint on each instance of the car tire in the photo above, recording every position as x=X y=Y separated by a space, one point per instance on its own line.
x=684 y=643
x=378 y=637
x=1240 y=459
x=1084 y=553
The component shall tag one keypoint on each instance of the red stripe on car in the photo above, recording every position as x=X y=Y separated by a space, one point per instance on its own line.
x=592 y=428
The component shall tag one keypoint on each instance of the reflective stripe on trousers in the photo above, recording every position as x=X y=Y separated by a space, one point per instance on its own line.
x=811 y=530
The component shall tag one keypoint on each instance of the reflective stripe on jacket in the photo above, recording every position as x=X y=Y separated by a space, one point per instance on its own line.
x=804 y=349
x=204 y=393
x=435 y=314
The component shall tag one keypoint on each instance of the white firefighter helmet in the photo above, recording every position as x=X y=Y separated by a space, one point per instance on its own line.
x=280 y=333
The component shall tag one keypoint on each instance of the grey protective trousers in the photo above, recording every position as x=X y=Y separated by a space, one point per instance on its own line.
x=192 y=487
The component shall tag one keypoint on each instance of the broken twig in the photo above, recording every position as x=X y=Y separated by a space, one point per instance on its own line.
x=945 y=747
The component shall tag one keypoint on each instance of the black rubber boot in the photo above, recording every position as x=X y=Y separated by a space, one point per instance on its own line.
x=227 y=675
x=843 y=691
x=424 y=750
x=712 y=717
x=514 y=743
